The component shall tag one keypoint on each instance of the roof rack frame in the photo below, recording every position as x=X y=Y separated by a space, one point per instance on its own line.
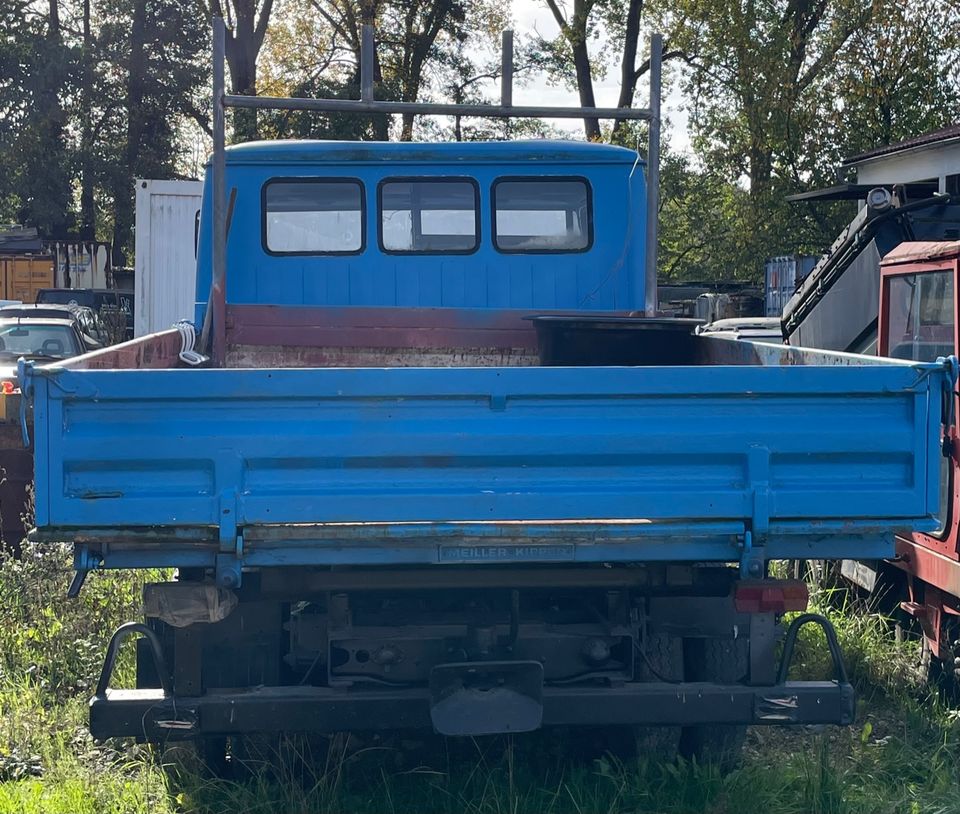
x=214 y=320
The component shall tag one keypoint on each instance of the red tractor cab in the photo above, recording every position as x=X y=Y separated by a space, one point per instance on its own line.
x=918 y=320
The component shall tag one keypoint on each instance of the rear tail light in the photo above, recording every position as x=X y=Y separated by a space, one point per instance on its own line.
x=770 y=595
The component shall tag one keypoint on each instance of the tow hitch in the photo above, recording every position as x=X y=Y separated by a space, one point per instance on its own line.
x=486 y=697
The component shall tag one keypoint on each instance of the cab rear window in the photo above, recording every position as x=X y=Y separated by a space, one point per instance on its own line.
x=429 y=215
x=313 y=216
x=542 y=215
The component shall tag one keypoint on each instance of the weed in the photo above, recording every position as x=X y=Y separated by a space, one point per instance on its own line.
x=903 y=757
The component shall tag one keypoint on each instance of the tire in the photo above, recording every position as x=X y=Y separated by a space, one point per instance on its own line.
x=660 y=660
x=723 y=661
x=657 y=658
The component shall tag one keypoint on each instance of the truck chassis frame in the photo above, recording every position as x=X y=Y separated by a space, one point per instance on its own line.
x=159 y=714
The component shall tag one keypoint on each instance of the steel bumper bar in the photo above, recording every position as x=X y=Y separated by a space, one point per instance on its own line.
x=153 y=715
x=156 y=714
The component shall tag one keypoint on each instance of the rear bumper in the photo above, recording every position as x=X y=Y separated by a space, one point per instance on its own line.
x=154 y=715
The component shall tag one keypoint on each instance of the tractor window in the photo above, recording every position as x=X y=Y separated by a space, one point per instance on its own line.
x=542 y=215
x=307 y=216
x=920 y=327
x=429 y=216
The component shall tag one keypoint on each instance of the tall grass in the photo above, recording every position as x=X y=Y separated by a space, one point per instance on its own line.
x=902 y=757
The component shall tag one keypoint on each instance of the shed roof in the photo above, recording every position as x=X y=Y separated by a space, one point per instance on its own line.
x=950 y=133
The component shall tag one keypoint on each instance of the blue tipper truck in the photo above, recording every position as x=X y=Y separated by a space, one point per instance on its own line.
x=439 y=474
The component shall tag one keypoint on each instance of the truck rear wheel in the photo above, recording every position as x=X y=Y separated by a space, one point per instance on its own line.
x=724 y=661
x=660 y=660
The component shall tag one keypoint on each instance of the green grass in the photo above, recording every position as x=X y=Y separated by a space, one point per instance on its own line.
x=902 y=757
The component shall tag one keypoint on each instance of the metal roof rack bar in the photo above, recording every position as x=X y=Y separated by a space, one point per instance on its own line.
x=434 y=108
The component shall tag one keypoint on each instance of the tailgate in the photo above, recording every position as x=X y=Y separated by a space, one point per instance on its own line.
x=401 y=465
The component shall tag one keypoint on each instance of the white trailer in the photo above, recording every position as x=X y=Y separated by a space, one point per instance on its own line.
x=165 y=265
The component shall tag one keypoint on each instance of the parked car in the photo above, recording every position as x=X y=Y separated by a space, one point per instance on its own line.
x=94 y=332
x=114 y=306
x=38 y=339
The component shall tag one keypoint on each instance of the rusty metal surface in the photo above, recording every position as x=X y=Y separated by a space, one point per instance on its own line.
x=921 y=250
x=254 y=356
x=378 y=327
x=157 y=351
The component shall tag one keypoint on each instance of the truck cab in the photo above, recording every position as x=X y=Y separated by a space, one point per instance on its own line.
x=368 y=247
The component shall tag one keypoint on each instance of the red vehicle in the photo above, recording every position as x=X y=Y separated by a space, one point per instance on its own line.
x=918 y=320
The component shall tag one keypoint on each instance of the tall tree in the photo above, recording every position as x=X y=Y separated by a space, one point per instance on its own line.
x=417 y=42
x=617 y=30
x=899 y=76
x=86 y=158
x=154 y=55
x=250 y=20
x=40 y=148
x=577 y=28
x=759 y=63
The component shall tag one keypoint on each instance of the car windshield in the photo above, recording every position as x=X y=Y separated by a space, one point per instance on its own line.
x=23 y=339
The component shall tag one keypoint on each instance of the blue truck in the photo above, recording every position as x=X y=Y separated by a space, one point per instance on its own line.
x=419 y=462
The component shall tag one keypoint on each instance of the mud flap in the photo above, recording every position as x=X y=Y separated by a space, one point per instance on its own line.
x=487 y=697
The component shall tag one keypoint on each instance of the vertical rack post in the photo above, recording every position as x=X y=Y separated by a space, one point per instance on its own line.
x=218 y=300
x=366 y=63
x=653 y=179
x=506 y=69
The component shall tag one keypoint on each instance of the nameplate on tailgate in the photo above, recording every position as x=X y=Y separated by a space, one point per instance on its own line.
x=507 y=553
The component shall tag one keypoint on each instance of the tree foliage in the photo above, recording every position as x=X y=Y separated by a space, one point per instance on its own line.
x=781 y=91
x=424 y=48
x=94 y=93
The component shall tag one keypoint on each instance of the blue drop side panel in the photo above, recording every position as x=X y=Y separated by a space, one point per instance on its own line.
x=846 y=453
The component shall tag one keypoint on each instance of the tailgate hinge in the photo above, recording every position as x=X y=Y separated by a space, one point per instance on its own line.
x=229 y=566
x=753 y=558
x=753 y=561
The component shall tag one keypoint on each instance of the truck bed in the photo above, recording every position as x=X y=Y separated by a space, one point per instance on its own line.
x=808 y=453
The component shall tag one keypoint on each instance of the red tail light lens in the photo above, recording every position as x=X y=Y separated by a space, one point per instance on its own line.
x=770 y=596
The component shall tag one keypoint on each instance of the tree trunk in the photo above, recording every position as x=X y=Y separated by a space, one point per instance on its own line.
x=406 y=129
x=575 y=33
x=242 y=49
x=47 y=180
x=242 y=54
x=581 y=64
x=88 y=225
x=123 y=193
x=628 y=65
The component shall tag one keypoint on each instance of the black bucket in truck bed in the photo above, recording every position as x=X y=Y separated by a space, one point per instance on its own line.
x=605 y=340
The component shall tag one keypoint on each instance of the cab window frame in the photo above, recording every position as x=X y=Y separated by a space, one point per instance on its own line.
x=430 y=179
x=541 y=179
x=886 y=281
x=300 y=179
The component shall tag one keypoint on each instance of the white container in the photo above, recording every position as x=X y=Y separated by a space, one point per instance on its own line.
x=165 y=265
